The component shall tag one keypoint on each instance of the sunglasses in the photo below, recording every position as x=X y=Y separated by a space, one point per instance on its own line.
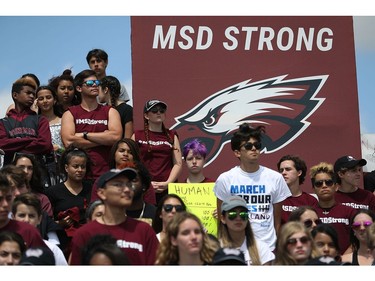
x=308 y=223
x=169 y=207
x=357 y=225
x=302 y=240
x=157 y=109
x=250 y=145
x=91 y=83
x=233 y=214
x=328 y=183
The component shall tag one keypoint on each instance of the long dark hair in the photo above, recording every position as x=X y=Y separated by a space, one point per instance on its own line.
x=35 y=183
x=157 y=222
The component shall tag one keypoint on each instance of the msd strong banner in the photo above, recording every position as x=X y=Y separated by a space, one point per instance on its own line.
x=294 y=75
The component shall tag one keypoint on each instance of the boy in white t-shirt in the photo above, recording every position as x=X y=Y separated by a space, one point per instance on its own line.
x=262 y=188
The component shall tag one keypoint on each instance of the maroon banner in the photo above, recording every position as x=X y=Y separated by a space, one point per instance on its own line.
x=294 y=75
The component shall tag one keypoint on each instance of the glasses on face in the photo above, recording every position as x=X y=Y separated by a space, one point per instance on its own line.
x=120 y=186
x=169 y=207
x=328 y=183
x=302 y=240
x=250 y=145
x=357 y=225
x=308 y=223
x=157 y=109
x=91 y=83
x=233 y=214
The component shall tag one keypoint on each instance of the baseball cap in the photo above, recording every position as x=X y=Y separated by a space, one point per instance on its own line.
x=103 y=179
x=151 y=103
x=228 y=256
x=348 y=162
x=233 y=202
x=38 y=256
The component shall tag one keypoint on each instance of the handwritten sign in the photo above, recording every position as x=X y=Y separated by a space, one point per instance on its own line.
x=200 y=200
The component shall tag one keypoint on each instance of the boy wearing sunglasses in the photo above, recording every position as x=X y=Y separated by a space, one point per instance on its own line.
x=349 y=177
x=329 y=211
x=97 y=60
x=90 y=125
x=262 y=188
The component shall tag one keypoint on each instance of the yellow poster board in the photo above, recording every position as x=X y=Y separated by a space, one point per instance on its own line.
x=200 y=200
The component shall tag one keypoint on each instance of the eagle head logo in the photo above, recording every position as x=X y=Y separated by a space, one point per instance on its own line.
x=282 y=106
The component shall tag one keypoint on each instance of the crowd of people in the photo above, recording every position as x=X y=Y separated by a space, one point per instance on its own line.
x=79 y=185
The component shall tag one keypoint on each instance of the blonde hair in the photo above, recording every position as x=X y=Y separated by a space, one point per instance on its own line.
x=167 y=254
x=283 y=257
x=322 y=167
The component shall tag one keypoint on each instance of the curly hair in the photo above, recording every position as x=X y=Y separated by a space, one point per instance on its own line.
x=244 y=133
x=299 y=164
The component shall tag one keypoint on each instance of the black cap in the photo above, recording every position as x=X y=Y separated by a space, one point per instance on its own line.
x=129 y=172
x=348 y=162
x=38 y=256
x=228 y=256
x=151 y=103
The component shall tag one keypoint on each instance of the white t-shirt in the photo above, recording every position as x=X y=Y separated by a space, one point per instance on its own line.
x=260 y=190
x=264 y=251
x=57 y=252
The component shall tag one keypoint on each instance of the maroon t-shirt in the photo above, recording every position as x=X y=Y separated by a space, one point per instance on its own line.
x=136 y=238
x=159 y=160
x=29 y=233
x=94 y=121
x=339 y=216
x=359 y=199
x=291 y=203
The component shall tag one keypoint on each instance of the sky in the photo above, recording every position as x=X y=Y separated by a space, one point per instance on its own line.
x=46 y=45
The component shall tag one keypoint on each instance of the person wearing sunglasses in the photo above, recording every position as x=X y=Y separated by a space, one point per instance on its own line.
x=160 y=148
x=167 y=208
x=186 y=242
x=136 y=238
x=323 y=180
x=349 y=178
x=295 y=245
x=360 y=254
x=293 y=168
x=97 y=60
x=235 y=232
x=91 y=126
x=262 y=188
x=306 y=215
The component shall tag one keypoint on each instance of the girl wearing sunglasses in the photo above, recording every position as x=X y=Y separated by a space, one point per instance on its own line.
x=323 y=180
x=295 y=245
x=235 y=232
x=360 y=254
x=167 y=208
x=160 y=148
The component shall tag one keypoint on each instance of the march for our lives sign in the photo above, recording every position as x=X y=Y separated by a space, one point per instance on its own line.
x=200 y=200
